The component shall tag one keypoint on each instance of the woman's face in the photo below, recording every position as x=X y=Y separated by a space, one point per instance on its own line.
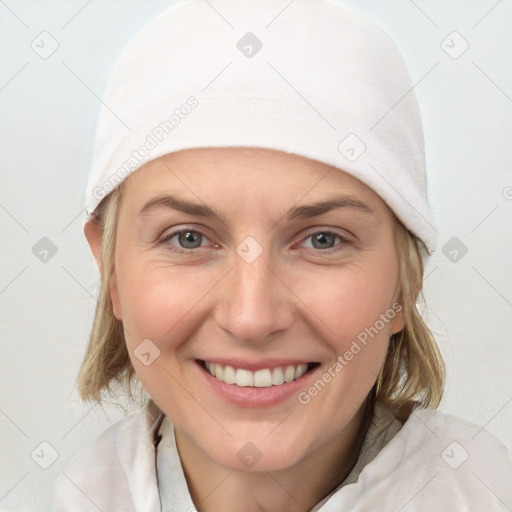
x=284 y=265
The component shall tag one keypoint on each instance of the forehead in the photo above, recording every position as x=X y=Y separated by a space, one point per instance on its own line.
x=260 y=175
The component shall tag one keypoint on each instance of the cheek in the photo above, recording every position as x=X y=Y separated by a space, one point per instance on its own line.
x=354 y=308
x=352 y=299
x=161 y=302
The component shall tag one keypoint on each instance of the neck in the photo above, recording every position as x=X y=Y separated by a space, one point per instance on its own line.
x=295 y=489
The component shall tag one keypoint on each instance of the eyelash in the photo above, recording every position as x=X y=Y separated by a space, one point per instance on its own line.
x=170 y=236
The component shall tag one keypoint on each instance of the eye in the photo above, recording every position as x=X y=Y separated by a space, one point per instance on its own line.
x=325 y=240
x=185 y=239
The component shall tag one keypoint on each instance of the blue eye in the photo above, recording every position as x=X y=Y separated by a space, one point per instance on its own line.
x=325 y=240
x=189 y=239
x=186 y=239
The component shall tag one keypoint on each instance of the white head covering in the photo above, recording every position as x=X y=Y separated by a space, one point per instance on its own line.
x=315 y=79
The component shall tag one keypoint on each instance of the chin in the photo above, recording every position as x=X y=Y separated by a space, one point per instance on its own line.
x=258 y=455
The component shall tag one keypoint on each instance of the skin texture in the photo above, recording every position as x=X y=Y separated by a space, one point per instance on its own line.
x=294 y=301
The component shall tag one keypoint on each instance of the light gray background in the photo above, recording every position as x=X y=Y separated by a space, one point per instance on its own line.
x=48 y=112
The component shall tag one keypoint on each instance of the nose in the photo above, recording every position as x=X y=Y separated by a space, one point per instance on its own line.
x=255 y=301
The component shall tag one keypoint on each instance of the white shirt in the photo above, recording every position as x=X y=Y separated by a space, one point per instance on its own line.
x=434 y=462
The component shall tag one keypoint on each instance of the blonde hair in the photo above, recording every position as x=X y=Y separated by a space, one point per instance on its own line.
x=412 y=374
x=413 y=370
x=106 y=360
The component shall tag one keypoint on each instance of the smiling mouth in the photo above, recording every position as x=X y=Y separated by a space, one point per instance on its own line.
x=263 y=378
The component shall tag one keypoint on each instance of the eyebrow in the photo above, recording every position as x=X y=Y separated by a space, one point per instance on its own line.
x=312 y=210
x=175 y=203
x=305 y=211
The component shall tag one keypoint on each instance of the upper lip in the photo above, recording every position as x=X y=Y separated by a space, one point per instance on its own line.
x=256 y=365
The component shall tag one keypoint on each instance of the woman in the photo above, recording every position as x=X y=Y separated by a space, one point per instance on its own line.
x=260 y=271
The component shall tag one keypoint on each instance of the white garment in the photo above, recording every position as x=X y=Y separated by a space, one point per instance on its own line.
x=435 y=462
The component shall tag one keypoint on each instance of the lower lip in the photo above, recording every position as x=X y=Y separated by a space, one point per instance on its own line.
x=247 y=396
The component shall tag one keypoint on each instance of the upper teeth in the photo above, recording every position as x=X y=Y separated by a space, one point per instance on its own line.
x=260 y=379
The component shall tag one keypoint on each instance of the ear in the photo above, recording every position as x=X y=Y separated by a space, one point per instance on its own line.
x=92 y=231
